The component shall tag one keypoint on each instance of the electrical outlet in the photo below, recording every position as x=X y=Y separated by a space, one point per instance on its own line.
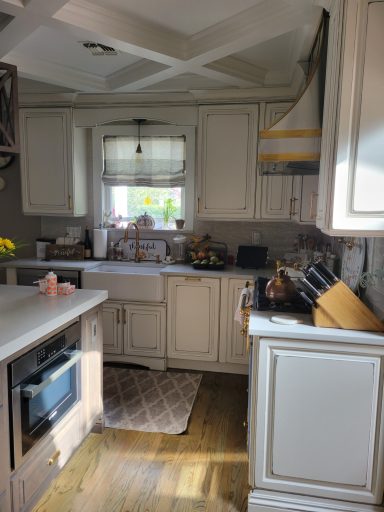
x=256 y=238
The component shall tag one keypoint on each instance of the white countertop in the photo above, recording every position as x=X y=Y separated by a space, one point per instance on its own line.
x=175 y=269
x=27 y=315
x=51 y=264
x=261 y=325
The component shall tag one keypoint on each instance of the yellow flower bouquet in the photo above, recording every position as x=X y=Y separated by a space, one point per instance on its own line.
x=8 y=247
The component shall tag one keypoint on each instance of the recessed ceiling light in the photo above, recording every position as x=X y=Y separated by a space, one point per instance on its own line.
x=98 y=49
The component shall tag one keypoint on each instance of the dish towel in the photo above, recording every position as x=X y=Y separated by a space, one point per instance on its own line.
x=245 y=299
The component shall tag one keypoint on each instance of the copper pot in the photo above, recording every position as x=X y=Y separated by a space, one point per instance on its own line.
x=280 y=288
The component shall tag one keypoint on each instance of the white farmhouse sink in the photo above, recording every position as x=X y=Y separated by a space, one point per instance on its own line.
x=127 y=281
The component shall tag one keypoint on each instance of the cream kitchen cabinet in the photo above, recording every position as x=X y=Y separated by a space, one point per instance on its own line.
x=92 y=369
x=285 y=197
x=236 y=343
x=227 y=162
x=53 y=163
x=352 y=156
x=193 y=318
x=4 y=442
x=316 y=425
x=135 y=332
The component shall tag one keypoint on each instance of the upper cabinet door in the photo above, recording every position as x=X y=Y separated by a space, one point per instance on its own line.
x=275 y=199
x=352 y=163
x=227 y=162
x=48 y=153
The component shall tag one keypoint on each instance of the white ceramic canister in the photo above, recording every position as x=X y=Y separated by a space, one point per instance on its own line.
x=51 y=279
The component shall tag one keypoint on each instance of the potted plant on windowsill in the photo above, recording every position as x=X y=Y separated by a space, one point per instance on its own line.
x=169 y=211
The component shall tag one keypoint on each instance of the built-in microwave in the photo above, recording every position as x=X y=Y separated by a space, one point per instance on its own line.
x=44 y=384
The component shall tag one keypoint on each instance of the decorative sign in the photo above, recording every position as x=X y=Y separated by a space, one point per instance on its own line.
x=149 y=250
x=64 y=252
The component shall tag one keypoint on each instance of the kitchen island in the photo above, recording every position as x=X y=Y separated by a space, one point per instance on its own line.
x=315 y=418
x=29 y=319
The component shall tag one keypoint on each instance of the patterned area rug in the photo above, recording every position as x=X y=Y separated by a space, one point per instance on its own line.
x=149 y=401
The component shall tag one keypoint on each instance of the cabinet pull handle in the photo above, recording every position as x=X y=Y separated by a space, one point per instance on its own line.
x=292 y=211
x=124 y=316
x=198 y=205
x=70 y=202
x=118 y=316
x=55 y=457
x=312 y=211
x=192 y=278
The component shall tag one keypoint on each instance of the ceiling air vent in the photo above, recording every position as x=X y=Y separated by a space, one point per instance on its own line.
x=98 y=49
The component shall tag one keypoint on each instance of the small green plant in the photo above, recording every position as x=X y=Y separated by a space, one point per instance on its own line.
x=169 y=210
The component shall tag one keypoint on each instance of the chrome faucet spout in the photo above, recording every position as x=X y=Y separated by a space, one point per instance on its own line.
x=137 y=239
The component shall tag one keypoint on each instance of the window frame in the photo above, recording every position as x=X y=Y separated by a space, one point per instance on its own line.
x=145 y=130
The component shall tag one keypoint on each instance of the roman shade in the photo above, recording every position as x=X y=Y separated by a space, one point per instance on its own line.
x=161 y=163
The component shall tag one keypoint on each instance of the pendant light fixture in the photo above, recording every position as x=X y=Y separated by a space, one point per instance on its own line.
x=139 y=121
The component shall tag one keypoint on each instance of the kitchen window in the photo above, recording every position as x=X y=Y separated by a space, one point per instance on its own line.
x=157 y=182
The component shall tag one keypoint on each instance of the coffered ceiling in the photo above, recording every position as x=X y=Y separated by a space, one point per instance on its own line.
x=161 y=45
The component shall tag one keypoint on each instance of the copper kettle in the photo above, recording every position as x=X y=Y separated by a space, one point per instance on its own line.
x=280 y=288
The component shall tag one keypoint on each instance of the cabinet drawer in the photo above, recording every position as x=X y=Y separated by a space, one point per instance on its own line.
x=33 y=477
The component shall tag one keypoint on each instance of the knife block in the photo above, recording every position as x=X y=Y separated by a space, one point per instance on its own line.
x=339 y=307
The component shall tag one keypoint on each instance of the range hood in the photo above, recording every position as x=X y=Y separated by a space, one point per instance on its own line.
x=292 y=145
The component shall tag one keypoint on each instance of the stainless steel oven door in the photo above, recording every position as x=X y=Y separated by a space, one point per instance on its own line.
x=42 y=399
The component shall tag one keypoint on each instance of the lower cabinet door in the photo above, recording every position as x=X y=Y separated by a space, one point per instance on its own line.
x=112 y=328
x=237 y=351
x=144 y=330
x=91 y=369
x=318 y=421
x=193 y=318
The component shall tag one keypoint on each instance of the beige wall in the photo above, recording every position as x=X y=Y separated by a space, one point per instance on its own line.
x=12 y=221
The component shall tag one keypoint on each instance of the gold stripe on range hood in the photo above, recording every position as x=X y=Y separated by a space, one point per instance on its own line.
x=292 y=144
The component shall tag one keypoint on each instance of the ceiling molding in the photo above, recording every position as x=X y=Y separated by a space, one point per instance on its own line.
x=56 y=74
x=133 y=73
x=26 y=22
x=163 y=54
x=240 y=69
x=129 y=35
x=10 y=7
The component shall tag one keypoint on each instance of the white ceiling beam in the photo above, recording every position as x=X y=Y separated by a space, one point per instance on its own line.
x=239 y=32
x=240 y=69
x=221 y=75
x=247 y=29
x=133 y=73
x=26 y=22
x=126 y=33
x=12 y=8
x=56 y=74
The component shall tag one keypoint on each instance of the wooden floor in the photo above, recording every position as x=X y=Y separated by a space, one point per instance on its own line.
x=204 y=469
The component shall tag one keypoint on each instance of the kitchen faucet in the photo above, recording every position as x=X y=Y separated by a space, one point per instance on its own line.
x=137 y=239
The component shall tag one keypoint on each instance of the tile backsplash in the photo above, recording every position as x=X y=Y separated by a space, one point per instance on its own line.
x=277 y=236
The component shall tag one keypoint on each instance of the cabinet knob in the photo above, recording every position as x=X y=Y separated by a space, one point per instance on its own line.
x=55 y=457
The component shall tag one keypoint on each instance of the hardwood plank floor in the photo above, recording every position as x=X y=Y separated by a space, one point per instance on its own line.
x=204 y=469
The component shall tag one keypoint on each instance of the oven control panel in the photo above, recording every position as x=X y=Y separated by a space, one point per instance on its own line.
x=50 y=350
